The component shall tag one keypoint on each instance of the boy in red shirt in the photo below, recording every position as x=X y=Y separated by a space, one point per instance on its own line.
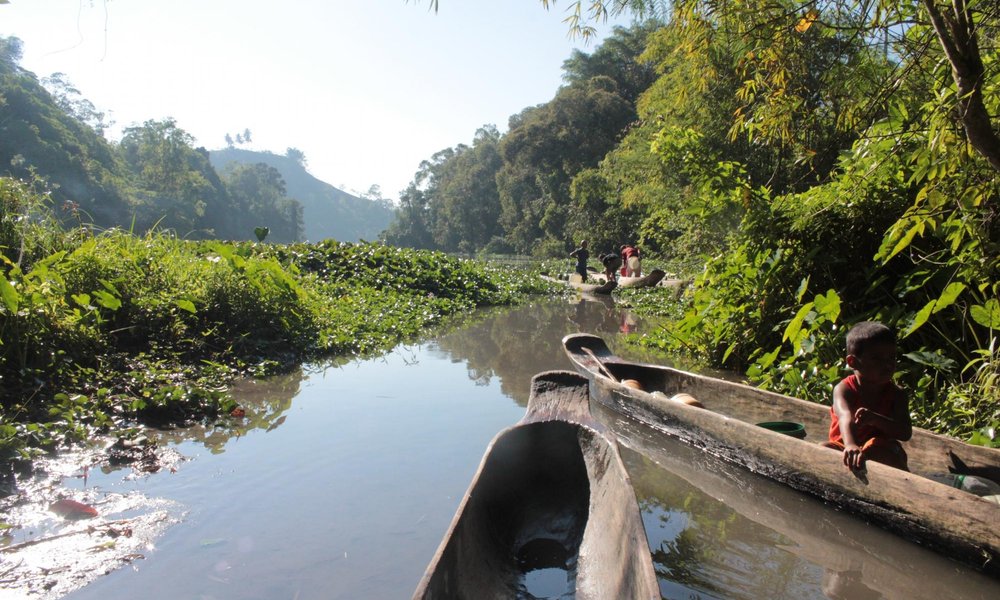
x=630 y=258
x=870 y=414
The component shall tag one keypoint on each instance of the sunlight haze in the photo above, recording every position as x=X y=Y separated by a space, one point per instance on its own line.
x=367 y=89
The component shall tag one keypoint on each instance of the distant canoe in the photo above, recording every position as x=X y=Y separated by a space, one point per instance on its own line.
x=587 y=288
x=650 y=280
x=951 y=521
x=551 y=495
x=593 y=288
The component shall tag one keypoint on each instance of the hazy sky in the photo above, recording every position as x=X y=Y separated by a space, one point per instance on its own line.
x=365 y=88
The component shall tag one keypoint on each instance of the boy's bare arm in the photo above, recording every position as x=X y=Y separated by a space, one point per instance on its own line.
x=897 y=426
x=852 y=452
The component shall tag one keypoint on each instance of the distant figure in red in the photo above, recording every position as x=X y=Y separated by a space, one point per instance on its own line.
x=870 y=414
x=630 y=258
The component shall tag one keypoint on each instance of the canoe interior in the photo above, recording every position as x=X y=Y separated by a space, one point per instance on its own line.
x=928 y=453
x=551 y=497
x=519 y=503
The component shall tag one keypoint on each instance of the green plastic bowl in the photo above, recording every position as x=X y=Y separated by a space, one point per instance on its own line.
x=796 y=430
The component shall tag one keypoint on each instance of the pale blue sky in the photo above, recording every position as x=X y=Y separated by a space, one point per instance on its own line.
x=365 y=88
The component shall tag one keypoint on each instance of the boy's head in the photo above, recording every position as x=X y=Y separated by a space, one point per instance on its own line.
x=871 y=350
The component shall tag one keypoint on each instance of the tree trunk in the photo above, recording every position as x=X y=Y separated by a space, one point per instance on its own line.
x=957 y=34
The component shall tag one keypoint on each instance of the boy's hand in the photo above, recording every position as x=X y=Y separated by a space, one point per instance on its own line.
x=863 y=416
x=852 y=456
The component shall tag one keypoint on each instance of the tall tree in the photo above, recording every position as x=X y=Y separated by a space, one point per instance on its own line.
x=955 y=25
x=38 y=138
x=411 y=227
x=181 y=190
x=70 y=99
x=259 y=192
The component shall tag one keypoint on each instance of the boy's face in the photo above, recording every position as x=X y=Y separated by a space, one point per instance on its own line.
x=876 y=364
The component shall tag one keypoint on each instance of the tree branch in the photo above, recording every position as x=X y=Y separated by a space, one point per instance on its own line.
x=957 y=35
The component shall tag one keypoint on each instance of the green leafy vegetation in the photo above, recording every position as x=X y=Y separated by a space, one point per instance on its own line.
x=104 y=331
x=805 y=166
x=808 y=166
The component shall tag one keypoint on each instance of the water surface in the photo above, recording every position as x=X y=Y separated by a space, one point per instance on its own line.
x=345 y=476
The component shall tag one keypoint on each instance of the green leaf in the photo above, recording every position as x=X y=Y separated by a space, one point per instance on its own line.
x=792 y=331
x=9 y=295
x=828 y=305
x=948 y=296
x=902 y=241
x=987 y=315
x=186 y=305
x=920 y=318
x=107 y=300
x=933 y=360
x=802 y=289
x=82 y=300
x=110 y=288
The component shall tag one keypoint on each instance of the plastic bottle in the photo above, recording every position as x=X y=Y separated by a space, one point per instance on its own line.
x=973 y=484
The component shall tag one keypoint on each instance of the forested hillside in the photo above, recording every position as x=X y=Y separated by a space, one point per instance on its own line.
x=327 y=211
x=809 y=165
x=513 y=192
x=155 y=177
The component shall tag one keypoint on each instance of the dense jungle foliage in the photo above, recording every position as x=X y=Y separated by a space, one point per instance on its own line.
x=808 y=164
x=101 y=331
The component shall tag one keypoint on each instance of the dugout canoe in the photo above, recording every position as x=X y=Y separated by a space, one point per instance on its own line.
x=653 y=278
x=949 y=520
x=594 y=288
x=604 y=288
x=551 y=496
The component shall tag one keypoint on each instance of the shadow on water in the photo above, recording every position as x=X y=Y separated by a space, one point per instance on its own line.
x=343 y=476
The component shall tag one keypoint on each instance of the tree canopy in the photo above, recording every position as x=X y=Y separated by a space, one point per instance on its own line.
x=810 y=163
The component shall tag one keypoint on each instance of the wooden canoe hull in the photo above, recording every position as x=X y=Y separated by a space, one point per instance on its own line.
x=603 y=288
x=654 y=277
x=831 y=539
x=550 y=492
x=952 y=521
x=595 y=288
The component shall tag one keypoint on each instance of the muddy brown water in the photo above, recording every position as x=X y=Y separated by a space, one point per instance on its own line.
x=343 y=478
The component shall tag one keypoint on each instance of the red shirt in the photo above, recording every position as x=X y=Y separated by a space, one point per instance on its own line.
x=883 y=405
x=629 y=252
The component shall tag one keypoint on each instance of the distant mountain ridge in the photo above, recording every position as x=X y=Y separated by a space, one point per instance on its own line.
x=328 y=212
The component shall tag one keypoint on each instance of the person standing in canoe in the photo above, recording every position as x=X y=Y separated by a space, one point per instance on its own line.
x=581 y=255
x=870 y=415
x=630 y=258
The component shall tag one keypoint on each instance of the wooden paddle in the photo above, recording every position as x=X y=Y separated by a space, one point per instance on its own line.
x=600 y=365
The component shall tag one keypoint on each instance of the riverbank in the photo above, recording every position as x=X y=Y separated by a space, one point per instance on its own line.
x=104 y=334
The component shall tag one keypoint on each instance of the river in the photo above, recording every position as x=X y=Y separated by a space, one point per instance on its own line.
x=344 y=476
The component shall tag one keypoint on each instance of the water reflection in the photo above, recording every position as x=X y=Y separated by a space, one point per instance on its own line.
x=263 y=405
x=513 y=346
x=718 y=531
